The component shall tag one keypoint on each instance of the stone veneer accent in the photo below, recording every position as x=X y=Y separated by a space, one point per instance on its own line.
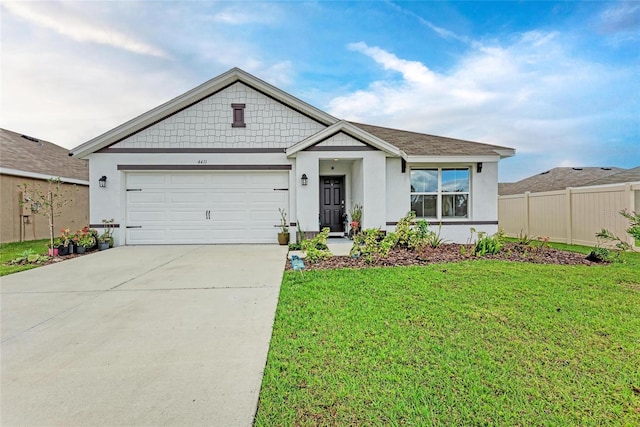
x=207 y=124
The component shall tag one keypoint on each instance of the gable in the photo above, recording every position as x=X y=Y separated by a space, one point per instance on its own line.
x=340 y=142
x=208 y=124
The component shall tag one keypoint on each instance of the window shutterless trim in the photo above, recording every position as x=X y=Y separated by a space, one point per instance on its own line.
x=238 y=115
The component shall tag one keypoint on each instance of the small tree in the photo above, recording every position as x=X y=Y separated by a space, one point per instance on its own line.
x=47 y=202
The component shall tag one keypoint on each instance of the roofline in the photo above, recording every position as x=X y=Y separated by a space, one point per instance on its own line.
x=351 y=130
x=193 y=96
x=452 y=159
x=35 y=175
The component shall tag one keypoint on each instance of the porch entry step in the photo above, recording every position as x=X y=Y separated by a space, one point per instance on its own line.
x=334 y=234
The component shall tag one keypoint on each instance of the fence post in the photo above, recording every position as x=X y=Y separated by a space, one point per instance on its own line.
x=526 y=214
x=568 y=218
x=629 y=205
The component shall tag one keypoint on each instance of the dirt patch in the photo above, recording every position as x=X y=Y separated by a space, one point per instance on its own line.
x=453 y=253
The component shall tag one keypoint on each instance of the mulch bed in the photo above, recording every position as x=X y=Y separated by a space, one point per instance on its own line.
x=453 y=253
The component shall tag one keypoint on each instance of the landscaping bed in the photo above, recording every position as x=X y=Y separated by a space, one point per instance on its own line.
x=453 y=253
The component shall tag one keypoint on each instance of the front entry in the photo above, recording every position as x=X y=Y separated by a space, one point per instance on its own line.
x=332 y=203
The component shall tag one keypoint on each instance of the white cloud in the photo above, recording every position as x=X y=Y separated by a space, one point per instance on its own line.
x=62 y=21
x=240 y=14
x=529 y=94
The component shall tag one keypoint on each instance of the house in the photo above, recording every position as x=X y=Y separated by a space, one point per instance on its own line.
x=25 y=159
x=629 y=175
x=215 y=164
x=557 y=179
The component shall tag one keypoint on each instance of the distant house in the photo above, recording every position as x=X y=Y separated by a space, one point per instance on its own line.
x=34 y=161
x=629 y=175
x=215 y=164
x=558 y=179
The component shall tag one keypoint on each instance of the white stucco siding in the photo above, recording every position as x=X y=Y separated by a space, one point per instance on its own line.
x=374 y=190
x=109 y=202
x=484 y=197
x=207 y=124
x=398 y=190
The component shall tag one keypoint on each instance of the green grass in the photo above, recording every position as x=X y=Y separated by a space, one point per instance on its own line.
x=11 y=251
x=472 y=343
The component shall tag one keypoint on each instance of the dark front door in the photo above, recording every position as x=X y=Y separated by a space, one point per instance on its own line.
x=332 y=202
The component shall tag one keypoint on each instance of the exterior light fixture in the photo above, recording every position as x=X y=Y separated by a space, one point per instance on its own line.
x=304 y=179
x=103 y=181
x=479 y=167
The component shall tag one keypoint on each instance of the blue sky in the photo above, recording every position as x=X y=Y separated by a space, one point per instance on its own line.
x=558 y=81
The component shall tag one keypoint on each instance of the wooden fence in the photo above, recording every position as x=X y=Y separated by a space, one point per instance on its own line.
x=571 y=216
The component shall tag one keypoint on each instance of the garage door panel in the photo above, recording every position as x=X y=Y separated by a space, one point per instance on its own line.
x=191 y=197
x=172 y=207
x=149 y=216
x=191 y=180
x=147 y=236
x=145 y=198
x=148 y=180
x=177 y=216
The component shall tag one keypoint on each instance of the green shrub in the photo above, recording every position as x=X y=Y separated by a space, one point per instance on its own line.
x=316 y=249
x=486 y=244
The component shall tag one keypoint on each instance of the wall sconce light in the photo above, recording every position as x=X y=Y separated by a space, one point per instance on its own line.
x=304 y=179
x=479 y=167
x=103 y=181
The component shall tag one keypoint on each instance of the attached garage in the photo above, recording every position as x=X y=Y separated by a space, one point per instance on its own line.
x=172 y=207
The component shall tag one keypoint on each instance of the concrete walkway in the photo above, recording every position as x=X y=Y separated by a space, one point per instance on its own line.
x=158 y=335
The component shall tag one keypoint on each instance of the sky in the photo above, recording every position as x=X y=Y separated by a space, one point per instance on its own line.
x=557 y=81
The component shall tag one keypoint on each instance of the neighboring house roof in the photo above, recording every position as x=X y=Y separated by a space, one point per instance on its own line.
x=557 y=179
x=420 y=144
x=630 y=175
x=411 y=146
x=24 y=155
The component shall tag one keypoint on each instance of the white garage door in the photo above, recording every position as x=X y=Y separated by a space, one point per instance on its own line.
x=204 y=207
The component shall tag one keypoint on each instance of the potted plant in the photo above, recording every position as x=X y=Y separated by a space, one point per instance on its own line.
x=356 y=219
x=103 y=241
x=86 y=241
x=53 y=247
x=65 y=239
x=283 y=235
x=108 y=225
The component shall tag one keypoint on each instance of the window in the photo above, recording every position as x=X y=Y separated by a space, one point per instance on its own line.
x=440 y=193
x=238 y=116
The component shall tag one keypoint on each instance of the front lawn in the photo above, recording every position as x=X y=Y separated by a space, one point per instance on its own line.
x=470 y=343
x=11 y=251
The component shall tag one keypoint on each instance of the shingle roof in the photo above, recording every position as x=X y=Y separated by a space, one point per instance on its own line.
x=420 y=144
x=28 y=154
x=630 y=175
x=557 y=179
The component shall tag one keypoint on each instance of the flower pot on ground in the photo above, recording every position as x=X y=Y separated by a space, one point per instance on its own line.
x=283 y=235
x=63 y=250
x=53 y=251
x=283 y=238
x=80 y=250
x=86 y=240
x=103 y=245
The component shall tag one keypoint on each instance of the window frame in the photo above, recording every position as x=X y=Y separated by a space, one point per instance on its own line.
x=238 y=116
x=439 y=193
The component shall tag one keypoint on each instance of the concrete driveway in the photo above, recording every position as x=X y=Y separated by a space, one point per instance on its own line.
x=135 y=336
